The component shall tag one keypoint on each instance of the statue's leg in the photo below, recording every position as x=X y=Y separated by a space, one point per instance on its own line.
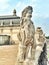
x=30 y=57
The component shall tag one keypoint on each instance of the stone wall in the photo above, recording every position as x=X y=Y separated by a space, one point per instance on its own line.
x=11 y=31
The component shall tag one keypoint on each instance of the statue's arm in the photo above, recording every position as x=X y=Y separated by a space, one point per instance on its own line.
x=19 y=36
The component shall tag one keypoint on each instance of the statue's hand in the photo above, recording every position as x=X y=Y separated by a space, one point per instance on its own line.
x=29 y=42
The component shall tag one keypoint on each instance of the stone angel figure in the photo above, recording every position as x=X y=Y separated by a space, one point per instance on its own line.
x=40 y=45
x=26 y=34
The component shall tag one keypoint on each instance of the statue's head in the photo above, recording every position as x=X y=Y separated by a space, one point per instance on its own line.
x=39 y=31
x=27 y=12
x=39 y=34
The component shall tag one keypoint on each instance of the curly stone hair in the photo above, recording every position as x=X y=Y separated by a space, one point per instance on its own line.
x=26 y=10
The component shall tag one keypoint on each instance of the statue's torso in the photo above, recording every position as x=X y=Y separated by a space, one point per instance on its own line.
x=29 y=28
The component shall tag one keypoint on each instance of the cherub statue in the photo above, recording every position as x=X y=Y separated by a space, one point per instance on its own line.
x=40 y=41
x=26 y=35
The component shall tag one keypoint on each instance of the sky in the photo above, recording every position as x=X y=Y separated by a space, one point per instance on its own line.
x=40 y=15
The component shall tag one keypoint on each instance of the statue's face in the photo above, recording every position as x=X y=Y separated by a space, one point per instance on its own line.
x=29 y=14
x=40 y=37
